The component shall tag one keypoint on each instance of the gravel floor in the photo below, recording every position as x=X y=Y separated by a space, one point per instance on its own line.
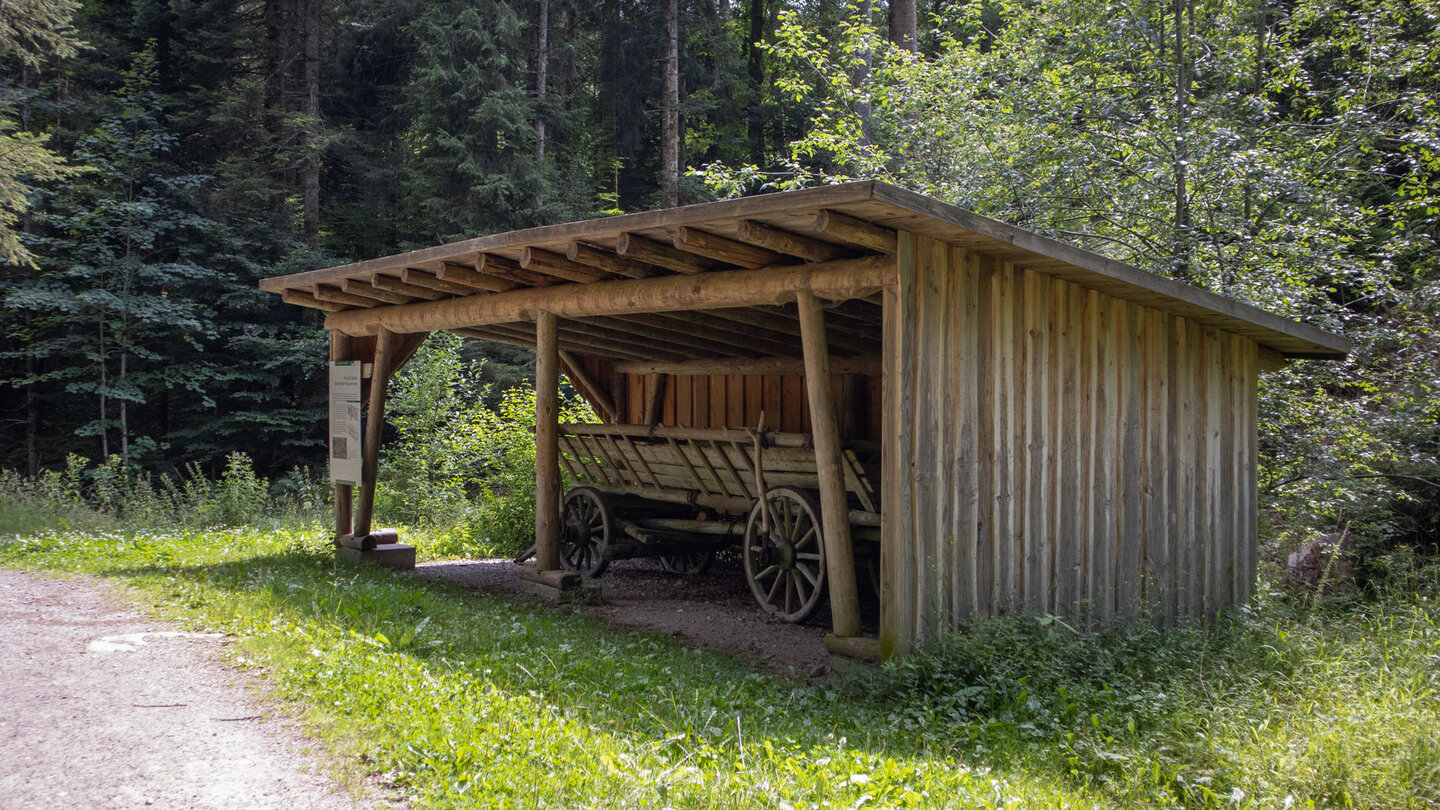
x=713 y=611
x=104 y=708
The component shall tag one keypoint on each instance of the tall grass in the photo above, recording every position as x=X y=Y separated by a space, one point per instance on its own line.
x=465 y=700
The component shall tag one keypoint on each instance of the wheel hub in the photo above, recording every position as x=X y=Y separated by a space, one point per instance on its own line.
x=784 y=552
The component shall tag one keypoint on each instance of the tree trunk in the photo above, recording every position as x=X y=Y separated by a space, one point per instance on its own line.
x=311 y=202
x=32 y=407
x=755 y=68
x=670 y=136
x=903 y=25
x=542 y=68
x=1183 y=69
x=862 y=74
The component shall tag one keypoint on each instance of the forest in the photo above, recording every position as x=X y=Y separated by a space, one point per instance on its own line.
x=162 y=421
x=162 y=156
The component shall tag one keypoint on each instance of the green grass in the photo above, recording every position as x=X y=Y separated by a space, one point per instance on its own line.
x=468 y=700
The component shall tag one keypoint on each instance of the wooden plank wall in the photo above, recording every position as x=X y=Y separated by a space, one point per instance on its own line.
x=1053 y=449
x=736 y=400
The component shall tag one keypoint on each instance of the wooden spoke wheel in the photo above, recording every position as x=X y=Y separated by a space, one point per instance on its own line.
x=786 y=565
x=687 y=563
x=587 y=522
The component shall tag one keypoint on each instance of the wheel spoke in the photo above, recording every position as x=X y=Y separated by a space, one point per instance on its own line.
x=770 y=596
x=806 y=538
x=788 y=582
x=767 y=572
x=813 y=556
x=800 y=590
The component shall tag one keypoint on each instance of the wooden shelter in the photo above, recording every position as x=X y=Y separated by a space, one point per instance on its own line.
x=1055 y=431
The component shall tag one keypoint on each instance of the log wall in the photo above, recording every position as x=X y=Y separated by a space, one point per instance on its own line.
x=1052 y=449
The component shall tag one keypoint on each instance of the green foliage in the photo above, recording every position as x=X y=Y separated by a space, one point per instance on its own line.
x=460 y=470
x=113 y=494
x=460 y=699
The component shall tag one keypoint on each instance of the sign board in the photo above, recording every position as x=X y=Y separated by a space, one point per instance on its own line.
x=345 y=438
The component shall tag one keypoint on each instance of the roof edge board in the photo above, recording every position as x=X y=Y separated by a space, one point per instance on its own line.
x=742 y=207
x=1322 y=344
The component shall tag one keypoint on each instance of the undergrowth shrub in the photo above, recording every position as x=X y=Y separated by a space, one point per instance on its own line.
x=459 y=471
x=110 y=495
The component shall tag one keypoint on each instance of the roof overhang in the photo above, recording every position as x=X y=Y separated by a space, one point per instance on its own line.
x=728 y=264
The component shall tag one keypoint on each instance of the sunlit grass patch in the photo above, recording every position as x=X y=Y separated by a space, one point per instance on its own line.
x=466 y=700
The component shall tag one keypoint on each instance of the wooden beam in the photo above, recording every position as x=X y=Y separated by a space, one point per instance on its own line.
x=553 y=264
x=620 y=338
x=301 y=298
x=721 y=330
x=666 y=332
x=830 y=469
x=847 y=278
x=395 y=285
x=1270 y=360
x=385 y=346
x=365 y=290
x=786 y=325
x=503 y=267
x=656 y=399
x=430 y=281
x=857 y=231
x=335 y=296
x=607 y=261
x=342 y=348
x=547 y=445
x=868 y=365
x=460 y=274
x=724 y=249
x=649 y=251
x=791 y=244
x=576 y=372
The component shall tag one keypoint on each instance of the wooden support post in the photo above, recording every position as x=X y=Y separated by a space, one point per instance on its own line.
x=386 y=344
x=547 y=443
x=340 y=349
x=834 y=511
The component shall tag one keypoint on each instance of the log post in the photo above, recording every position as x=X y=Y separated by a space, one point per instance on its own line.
x=385 y=347
x=340 y=349
x=834 y=508
x=547 y=444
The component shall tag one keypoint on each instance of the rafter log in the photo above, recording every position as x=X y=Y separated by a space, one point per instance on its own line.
x=634 y=246
x=364 y=290
x=856 y=231
x=392 y=284
x=422 y=278
x=492 y=264
x=620 y=337
x=789 y=243
x=668 y=332
x=723 y=331
x=789 y=326
x=834 y=281
x=460 y=274
x=867 y=365
x=553 y=264
x=301 y=298
x=720 y=248
x=604 y=260
x=335 y=296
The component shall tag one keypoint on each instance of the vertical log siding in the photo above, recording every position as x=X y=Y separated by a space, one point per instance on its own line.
x=1053 y=449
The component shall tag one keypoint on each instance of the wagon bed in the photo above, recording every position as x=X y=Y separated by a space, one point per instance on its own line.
x=681 y=493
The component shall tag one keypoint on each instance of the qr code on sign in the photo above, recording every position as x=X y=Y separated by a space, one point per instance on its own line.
x=338 y=448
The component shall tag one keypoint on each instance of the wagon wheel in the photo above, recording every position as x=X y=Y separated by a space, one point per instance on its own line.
x=786 y=567
x=587 y=522
x=687 y=563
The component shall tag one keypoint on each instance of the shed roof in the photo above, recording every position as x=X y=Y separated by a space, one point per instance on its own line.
x=841 y=226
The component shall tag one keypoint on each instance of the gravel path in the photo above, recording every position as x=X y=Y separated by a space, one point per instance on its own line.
x=104 y=708
x=713 y=611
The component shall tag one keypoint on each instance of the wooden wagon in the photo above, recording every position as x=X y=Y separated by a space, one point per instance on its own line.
x=681 y=494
